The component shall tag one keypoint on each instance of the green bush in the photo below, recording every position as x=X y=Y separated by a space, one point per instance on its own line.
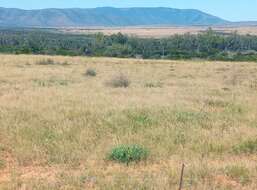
x=120 y=81
x=128 y=153
x=90 y=72
x=247 y=147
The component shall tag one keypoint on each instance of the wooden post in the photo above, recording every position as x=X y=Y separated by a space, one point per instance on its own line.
x=181 y=177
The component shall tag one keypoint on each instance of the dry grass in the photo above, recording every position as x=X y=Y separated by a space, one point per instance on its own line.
x=56 y=125
x=151 y=32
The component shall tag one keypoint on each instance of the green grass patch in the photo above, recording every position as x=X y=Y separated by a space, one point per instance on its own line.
x=131 y=120
x=217 y=103
x=2 y=164
x=51 y=82
x=234 y=109
x=187 y=116
x=238 y=173
x=192 y=118
x=153 y=85
x=140 y=118
x=180 y=138
x=247 y=147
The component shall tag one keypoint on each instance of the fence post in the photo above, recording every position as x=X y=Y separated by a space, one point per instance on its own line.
x=181 y=177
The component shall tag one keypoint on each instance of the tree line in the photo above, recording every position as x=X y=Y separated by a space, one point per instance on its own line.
x=207 y=45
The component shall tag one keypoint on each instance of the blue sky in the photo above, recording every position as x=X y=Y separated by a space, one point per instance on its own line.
x=233 y=10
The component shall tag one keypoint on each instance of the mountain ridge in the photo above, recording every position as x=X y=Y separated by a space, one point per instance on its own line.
x=106 y=16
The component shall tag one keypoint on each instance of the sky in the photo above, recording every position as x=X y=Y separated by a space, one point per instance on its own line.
x=233 y=10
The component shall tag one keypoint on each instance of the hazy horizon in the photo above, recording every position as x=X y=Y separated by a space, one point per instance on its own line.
x=228 y=10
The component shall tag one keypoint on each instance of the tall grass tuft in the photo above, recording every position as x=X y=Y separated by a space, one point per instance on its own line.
x=119 y=81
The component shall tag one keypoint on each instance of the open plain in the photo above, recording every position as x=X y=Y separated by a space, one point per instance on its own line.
x=57 y=124
x=160 y=32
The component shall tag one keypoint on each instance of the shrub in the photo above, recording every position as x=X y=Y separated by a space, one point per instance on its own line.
x=128 y=153
x=238 y=173
x=90 y=72
x=46 y=62
x=120 y=81
x=247 y=147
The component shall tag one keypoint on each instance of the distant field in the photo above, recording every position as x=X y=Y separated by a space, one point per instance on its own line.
x=161 y=31
x=57 y=124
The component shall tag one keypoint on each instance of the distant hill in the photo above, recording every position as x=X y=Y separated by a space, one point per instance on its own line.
x=245 y=23
x=105 y=16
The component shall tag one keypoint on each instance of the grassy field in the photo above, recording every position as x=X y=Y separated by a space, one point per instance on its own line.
x=58 y=124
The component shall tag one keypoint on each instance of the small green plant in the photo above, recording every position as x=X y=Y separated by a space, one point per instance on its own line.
x=128 y=153
x=120 y=81
x=238 y=173
x=247 y=147
x=90 y=72
x=153 y=85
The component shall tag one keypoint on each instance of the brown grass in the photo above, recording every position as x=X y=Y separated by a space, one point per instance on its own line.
x=56 y=134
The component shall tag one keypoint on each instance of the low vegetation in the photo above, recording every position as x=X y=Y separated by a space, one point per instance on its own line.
x=238 y=173
x=51 y=82
x=50 y=61
x=247 y=147
x=61 y=130
x=2 y=164
x=46 y=62
x=119 y=81
x=90 y=72
x=153 y=85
